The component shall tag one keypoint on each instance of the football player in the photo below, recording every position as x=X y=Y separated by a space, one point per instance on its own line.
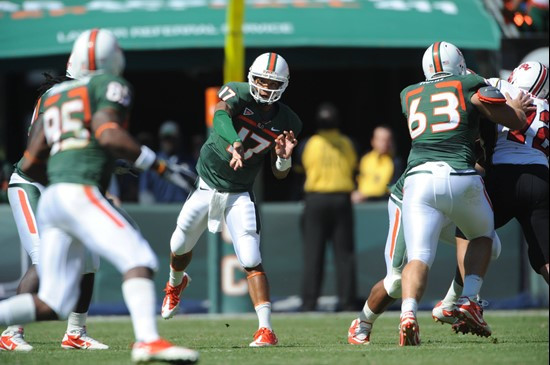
x=78 y=136
x=249 y=122
x=387 y=290
x=23 y=195
x=516 y=174
x=440 y=180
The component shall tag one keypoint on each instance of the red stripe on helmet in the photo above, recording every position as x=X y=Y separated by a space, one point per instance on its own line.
x=272 y=61
x=91 y=49
x=541 y=79
x=437 y=59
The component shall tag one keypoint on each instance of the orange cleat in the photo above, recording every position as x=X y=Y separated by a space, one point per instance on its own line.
x=264 y=337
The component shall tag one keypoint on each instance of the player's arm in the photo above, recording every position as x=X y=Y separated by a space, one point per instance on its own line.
x=502 y=110
x=36 y=154
x=223 y=125
x=281 y=155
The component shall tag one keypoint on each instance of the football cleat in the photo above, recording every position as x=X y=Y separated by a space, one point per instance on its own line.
x=445 y=313
x=359 y=332
x=79 y=340
x=409 y=331
x=162 y=350
x=171 y=301
x=14 y=341
x=470 y=315
x=264 y=337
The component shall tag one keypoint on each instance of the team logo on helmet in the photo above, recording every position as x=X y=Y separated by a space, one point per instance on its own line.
x=531 y=77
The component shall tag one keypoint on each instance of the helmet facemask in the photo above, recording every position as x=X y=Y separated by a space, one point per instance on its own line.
x=256 y=90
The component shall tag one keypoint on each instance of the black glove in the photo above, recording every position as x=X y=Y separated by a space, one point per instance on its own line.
x=180 y=175
x=123 y=167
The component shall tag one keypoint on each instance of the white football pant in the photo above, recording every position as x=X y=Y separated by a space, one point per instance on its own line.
x=239 y=212
x=75 y=217
x=23 y=196
x=434 y=193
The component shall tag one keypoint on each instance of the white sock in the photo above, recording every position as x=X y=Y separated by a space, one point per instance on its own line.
x=139 y=295
x=76 y=321
x=472 y=286
x=176 y=277
x=17 y=309
x=264 y=315
x=409 y=305
x=367 y=315
x=455 y=292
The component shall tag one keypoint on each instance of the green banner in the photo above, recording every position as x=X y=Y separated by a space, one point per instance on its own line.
x=41 y=28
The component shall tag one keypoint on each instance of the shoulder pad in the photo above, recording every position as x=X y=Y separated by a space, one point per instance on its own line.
x=491 y=95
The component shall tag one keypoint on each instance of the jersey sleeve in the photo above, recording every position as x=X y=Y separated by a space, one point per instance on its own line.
x=232 y=94
x=471 y=84
x=113 y=92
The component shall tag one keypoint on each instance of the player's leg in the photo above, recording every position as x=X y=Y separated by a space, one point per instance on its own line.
x=384 y=292
x=23 y=198
x=344 y=252
x=474 y=217
x=60 y=269
x=317 y=226
x=533 y=217
x=191 y=223
x=122 y=245
x=503 y=198
x=243 y=224
x=422 y=224
x=76 y=336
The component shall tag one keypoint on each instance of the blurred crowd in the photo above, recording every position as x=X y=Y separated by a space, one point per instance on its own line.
x=530 y=16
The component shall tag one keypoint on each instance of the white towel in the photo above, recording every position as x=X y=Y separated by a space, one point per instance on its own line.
x=216 y=211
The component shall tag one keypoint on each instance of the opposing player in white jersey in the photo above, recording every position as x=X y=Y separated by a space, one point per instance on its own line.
x=440 y=180
x=516 y=174
x=73 y=213
x=23 y=195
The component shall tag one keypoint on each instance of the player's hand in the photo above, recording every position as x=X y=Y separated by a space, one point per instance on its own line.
x=179 y=175
x=123 y=167
x=237 y=156
x=523 y=102
x=284 y=144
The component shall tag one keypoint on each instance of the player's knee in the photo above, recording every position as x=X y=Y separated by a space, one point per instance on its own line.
x=180 y=243
x=247 y=249
x=392 y=284
x=250 y=260
x=425 y=256
x=34 y=257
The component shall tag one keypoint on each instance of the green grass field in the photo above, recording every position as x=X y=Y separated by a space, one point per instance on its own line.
x=519 y=337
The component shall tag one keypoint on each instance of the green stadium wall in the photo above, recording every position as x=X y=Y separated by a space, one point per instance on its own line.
x=283 y=255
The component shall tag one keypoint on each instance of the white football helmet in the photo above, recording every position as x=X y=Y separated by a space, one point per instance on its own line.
x=442 y=58
x=268 y=66
x=531 y=77
x=95 y=50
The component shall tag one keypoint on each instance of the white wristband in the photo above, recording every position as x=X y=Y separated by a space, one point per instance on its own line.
x=283 y=164
x=146 y=158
